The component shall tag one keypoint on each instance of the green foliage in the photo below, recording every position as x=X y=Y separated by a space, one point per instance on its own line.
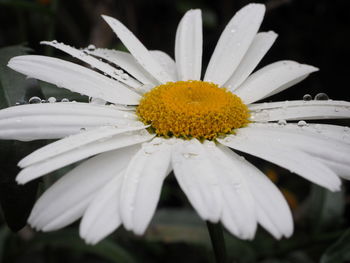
x=339 y=251
x=12 y=83
x=325 y=208
x=70 y=240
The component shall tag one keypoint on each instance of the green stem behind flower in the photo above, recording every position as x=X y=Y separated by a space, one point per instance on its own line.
x=218 y=241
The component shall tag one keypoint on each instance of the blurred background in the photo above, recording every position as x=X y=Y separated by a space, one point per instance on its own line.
x=315 y=32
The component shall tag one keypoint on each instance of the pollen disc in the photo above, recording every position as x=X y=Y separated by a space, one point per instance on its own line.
x=192 y=109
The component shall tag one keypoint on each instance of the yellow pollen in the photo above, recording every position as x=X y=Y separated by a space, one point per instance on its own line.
x=192 y=109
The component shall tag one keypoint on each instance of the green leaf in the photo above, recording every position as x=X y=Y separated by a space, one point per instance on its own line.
x=178 y=225
x=26 y=5
x=339 y=252
x=69 y=239
x=16 y=200
x=184 y=225
x=14 y=85
x=325 y=208
x=4 y=234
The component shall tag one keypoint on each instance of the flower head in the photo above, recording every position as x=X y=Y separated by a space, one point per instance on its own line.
x=162 y=117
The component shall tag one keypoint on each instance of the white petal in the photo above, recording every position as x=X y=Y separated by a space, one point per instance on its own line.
x=196 y=175
x=257 y=50
x=299 y=110
x=238 y=212
x=301 y=139
x=142 y=185
x=65 y=108
x=273 y=79
x=138 y=50
x=272 y=209
x=341 y=169
x=102 y=216
x=74 y=77
x=323 y=131
x=94 y=62
x=66 y=200
x=73 y=142
x=234 y=43
x=166 y=62
x=119 y=141
x=296 y=161
x=127 y=62
x=188 y=46
x=56 y=120
x=41 y=133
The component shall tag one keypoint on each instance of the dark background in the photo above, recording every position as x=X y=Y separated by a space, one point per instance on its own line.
x=315 y=32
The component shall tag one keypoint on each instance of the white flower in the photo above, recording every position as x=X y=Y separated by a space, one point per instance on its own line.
x=121 y=182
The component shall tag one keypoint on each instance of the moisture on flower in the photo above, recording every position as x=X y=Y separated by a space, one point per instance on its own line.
x=150 y=115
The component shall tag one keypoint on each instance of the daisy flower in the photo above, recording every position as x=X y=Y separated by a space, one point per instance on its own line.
x=151 y=115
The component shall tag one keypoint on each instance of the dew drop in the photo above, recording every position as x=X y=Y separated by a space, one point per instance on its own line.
x=186 y=155
x=282 y=122
x=51 y=100
x=34 y=100
x=302 y=123
x=54 y=42
x=307 y=97
x=125 y=76
x=91 y=47
x=321 y=96
x=64 y=100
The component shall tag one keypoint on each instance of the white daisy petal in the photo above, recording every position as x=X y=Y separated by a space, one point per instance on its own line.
x=41 y=133
x=127 y=62
x=188 y=46
x=65 y=108
x=322 y=131
x=301 y=139
x=234 y=43
x=296 y=161
x=257 y=50
x=273 y=79
x=94 y=62
x=267 y=197
x=167 y=63
x=119 y=141
x=142 y=185
x=196 y=176
x=238 y=203
x=102 y=216
x=74 y=77
x=299 y=110
x=28 y=128
x=66 y=200
x=138 y=50
x=56 y=120
x=73 y=142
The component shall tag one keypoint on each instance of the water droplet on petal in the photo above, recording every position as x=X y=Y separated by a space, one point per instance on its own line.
x=64 y=100
x=307 y=97
x=51 y=99
x=282 y=122
x=321 y=96
x=34 y=100
x=91 y=47
x=125 y=76
x=302 y=123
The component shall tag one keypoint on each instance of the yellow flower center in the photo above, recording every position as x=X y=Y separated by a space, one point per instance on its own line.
x=192 y=109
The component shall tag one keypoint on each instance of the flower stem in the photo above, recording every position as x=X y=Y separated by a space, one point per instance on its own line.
x=217 y=241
